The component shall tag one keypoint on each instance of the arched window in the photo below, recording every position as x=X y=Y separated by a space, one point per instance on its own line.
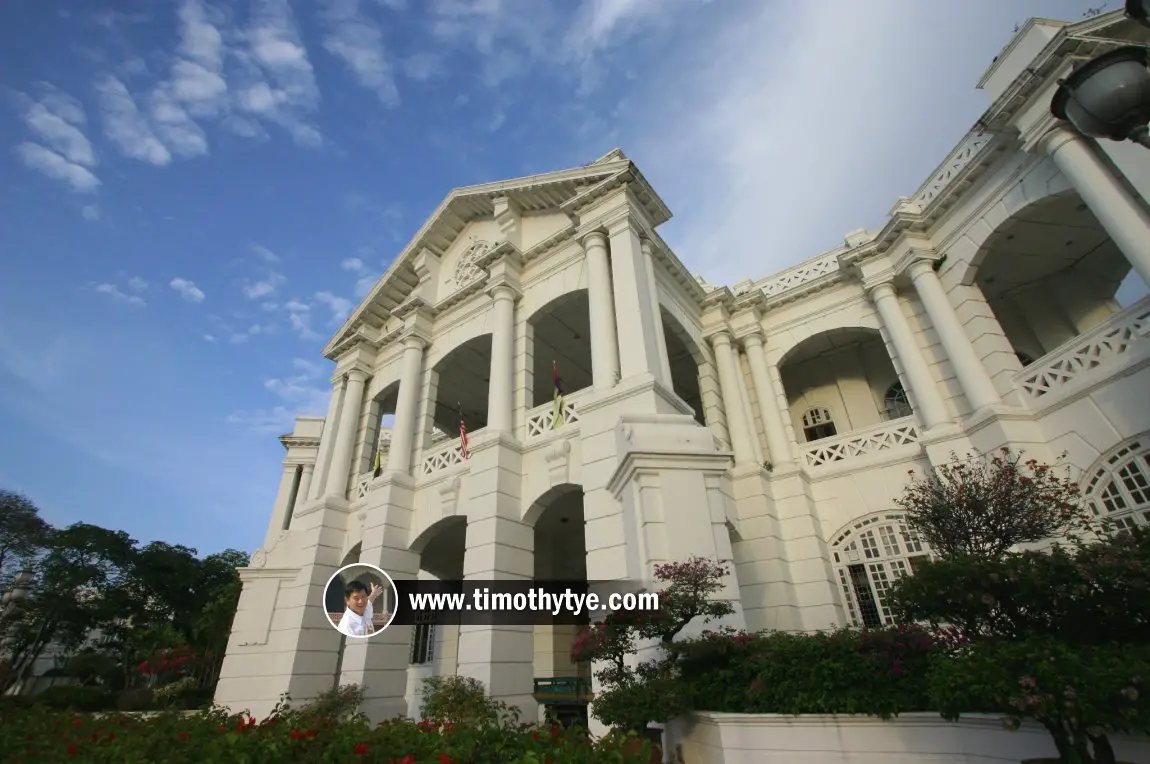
x=869 y=556
x=818 y=424
x=1023 y=358
x=1119 y=490
x=895 y=402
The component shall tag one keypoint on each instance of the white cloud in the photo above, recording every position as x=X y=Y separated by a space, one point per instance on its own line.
x=354 y=37
x=298 y=394
x=210 y=338
x=264 y=287
x=265 y=254
x=126 y=127
x=63 y=151
x=90 y=212
x=55 y=166
x=340 y=307
x=299 y=316
x=197 y=78
x=116 y=294
x=137 y=284
x=172 y=123
x=423 y=66
x=352 y=264
x=187 y=289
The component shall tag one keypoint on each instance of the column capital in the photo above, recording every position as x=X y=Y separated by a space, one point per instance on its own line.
x=308 y=466
x=594 y=238
x=413 y=338
x=503 y=290
x=1057 y=137
x=753 y=337
x=720 y=337
x=647 y=246
x=357 y=374
x=880 y=286
x=623 y=220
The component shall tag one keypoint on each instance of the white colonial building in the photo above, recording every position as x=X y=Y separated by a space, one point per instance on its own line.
x=772 y=423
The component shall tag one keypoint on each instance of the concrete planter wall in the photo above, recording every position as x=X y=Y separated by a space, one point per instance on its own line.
x=922 y=738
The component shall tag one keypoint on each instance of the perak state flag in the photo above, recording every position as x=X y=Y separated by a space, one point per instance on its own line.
x=463 y=450
x=557 y=411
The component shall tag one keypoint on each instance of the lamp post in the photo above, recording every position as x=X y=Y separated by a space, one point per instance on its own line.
x=1109 y=97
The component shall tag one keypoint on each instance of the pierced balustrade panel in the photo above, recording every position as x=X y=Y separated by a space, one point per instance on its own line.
x=1100 y=346
x=852 y=445
x=801 y=275
x=437 y=461
x=541 y=419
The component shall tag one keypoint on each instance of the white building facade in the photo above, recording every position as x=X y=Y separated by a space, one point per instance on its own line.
x=772 y=424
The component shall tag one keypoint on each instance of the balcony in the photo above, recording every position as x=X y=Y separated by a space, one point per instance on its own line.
x=563 y=690
x=896 y=435
x=541 y=419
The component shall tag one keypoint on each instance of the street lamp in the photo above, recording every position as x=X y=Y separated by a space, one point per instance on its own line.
x=1109 y=97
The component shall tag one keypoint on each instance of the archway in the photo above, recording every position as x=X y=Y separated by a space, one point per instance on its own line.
x=1050 y=272
x=377 y=439
x=684 y=359
x=460 y=382
x=561 y=685
x=868 y=556
x=560 y=334
x=838 y=381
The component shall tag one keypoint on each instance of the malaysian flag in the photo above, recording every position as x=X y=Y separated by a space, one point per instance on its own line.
x=463 y=450
x=557 y=410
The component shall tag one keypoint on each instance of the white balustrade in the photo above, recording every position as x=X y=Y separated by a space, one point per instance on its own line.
x=541 y=419
x=442 y=458
x=852 y=445
x=1102 y=346
x=801 y=274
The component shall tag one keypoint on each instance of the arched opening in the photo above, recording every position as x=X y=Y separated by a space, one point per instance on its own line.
x=685 y=359
x=838 y=381
x=1050 y=273
x=896 y=404
x=461 y=380
x=434 y=649
x=377 y=438
x=560 y=334
x=561 y=685
x=869 y=555
x=1118 y=490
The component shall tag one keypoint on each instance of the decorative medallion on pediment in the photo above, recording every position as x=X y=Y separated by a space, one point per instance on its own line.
x=468 y=269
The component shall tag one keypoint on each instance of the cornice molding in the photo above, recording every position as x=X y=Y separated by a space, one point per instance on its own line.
x=651 y=463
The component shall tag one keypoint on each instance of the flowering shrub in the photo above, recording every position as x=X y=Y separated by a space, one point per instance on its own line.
x=287 y=736
x=1080 y=695
x=982 y=507
x=847 y=671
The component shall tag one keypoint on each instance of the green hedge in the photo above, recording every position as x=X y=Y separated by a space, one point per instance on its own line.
x=879 y=672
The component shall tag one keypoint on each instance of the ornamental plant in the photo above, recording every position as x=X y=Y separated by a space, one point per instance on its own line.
x=1081 y=696
x=983 y=506
x=634 y=694
x=292 y=736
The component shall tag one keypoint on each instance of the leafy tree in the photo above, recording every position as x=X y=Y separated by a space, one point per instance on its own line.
x=983 y=507
x=23 y=535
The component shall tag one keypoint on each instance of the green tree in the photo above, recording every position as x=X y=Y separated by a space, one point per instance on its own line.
x=23 y=535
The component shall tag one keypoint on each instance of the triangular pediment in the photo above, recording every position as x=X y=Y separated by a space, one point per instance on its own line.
x=561 y=191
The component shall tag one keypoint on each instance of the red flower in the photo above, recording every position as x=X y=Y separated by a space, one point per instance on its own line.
x=297 y=735
x=311 y=734
x=361 y=749
x=445 y=759
x=73 y=749
x=77 y=722
x=183 y=735
x=556 y=731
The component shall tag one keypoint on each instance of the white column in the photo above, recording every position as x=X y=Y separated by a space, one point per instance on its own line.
x=604 y=342
x=738 y=422
x=327 y=437
x=637 y=351
x=338 y=471
x=968 y=367
x=778 y=443
x=406 y=407
x=304 y=484
x=919 y=383
x=500 y=392
x=281 y=513
x=1120 y=213
x=657 y=313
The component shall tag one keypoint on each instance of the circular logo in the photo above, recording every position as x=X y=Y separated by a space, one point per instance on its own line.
x=346 y=605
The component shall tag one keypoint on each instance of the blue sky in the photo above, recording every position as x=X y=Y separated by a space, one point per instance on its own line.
x=193 y=195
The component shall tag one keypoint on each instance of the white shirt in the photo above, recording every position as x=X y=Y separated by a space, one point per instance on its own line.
x=356 y=625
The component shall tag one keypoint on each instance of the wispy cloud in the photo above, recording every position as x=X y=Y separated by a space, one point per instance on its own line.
x=301 y=392
x=264 y=254
x=61 y=150
x=113 y=291
x=365 y=277
x=126 y=127
x=264 y=287
x=354 y=37
x=187 y=289
x=340 y=307
x=90 y=212
x=299 y=317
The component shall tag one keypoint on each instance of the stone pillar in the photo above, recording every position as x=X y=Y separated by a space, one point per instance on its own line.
x=281 y=512
x=779 y=445
x=500 y=392
x=638 y=353
x=1125 y=219
x=339 y=470
x=604 y=341
x=327 y=438
x=304 y=484
x=919 y=383
x=968 y=367
x=660 y=334
x=738 y=420
x=407 y=407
